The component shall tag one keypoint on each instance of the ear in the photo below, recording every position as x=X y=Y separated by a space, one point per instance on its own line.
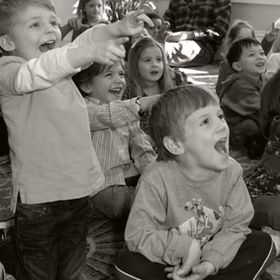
x=236 y=66
x=7 y=44
x=85 y=87
x=174 y=147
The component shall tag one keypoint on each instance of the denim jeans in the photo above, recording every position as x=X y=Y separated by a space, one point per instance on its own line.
x=51 y=239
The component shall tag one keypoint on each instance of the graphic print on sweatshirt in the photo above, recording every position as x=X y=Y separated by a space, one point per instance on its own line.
x=202 y=222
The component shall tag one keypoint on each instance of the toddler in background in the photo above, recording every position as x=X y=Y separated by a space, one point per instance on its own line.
x=192 y=209
x=240 y=96
x=148 y=72
x=54 y=166
x=122 y=148
x=239 y=29
x=89 y=13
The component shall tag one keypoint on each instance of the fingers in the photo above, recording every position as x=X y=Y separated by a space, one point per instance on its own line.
x=121 y=41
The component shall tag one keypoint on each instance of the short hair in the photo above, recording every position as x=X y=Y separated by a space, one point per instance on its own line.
x=236 y=49
x=165 y=82
x=10 y=8
x=235 y=28
x=168 y=115
x=86 y=75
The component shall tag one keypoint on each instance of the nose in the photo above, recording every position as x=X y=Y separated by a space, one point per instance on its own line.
x=221 y=124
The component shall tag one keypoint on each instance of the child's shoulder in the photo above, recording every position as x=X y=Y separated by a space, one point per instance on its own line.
x=234 y=168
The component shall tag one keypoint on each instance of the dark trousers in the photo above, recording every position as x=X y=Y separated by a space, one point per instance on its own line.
x=255 y=254
x=51 y=239
x=267 y=212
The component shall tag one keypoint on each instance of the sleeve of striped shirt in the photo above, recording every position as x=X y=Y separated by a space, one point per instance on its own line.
x=112 y=115
x=141 y=150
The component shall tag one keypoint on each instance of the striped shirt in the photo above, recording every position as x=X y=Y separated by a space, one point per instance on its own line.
x=189 y=15
x=122 y=148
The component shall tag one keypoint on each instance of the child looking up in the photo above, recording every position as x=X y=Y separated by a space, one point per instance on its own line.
x=54 y=165
x=122 y=148
x=149 y=73
x=240 y=96
x=192 y=209
x=239 y=29
x=89 y=13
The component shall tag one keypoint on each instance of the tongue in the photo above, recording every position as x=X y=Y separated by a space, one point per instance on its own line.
x=220 y=147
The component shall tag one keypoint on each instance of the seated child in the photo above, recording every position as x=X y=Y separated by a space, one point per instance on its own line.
x=240 y=96
x=54 y=166
x=122 y=148
x=89 y=13
x=264 y=179
x=192 y=209
x=148 y=72
x=239 y=29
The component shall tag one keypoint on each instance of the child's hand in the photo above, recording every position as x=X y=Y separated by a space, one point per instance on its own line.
x=110 y=51
x=147 y=102
x=76 y=23
x=133 y=23
x=191 y=261
x=201 y=271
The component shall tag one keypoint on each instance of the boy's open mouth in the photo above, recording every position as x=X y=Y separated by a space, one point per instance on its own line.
x=221 y=146
x=49 y=45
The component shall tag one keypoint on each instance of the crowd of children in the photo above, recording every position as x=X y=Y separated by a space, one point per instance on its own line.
x=104 y=124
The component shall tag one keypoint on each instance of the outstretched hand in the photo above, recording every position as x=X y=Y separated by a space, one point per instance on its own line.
x=110 y=51
x=133 y=23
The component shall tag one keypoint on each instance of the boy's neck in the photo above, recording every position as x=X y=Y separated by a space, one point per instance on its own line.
x=195 y=174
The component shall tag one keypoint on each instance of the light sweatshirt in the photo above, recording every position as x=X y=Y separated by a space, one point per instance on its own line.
x=167 y=204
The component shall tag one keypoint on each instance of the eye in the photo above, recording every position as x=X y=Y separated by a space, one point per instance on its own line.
x=108 y=75
x=121 y=74
x=54 y=23
x=35 y=25
x=159 y=59
x=221 y=116
x=205 y=121
x=146 y=59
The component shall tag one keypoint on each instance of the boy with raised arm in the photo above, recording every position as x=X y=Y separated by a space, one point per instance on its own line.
x=54 y=166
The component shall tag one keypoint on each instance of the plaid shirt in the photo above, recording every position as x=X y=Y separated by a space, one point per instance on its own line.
x=122 y=148
x=189 y=15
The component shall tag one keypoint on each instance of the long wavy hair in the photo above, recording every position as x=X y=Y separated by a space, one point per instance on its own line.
x=165 y=82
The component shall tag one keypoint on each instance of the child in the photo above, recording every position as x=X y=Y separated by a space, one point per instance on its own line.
x=240 y=96
x=149 y=73
x=264 y=179
x=54 y=166
x=192 y=209
x=122 y=148
x=89 y=13
x=238 y=30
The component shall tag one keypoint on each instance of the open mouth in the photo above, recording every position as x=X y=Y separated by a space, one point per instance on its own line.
x=49 y=45
x=116 y=91
x=221 y=146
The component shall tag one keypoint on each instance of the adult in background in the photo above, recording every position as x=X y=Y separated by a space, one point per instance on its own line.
x=198 y=27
